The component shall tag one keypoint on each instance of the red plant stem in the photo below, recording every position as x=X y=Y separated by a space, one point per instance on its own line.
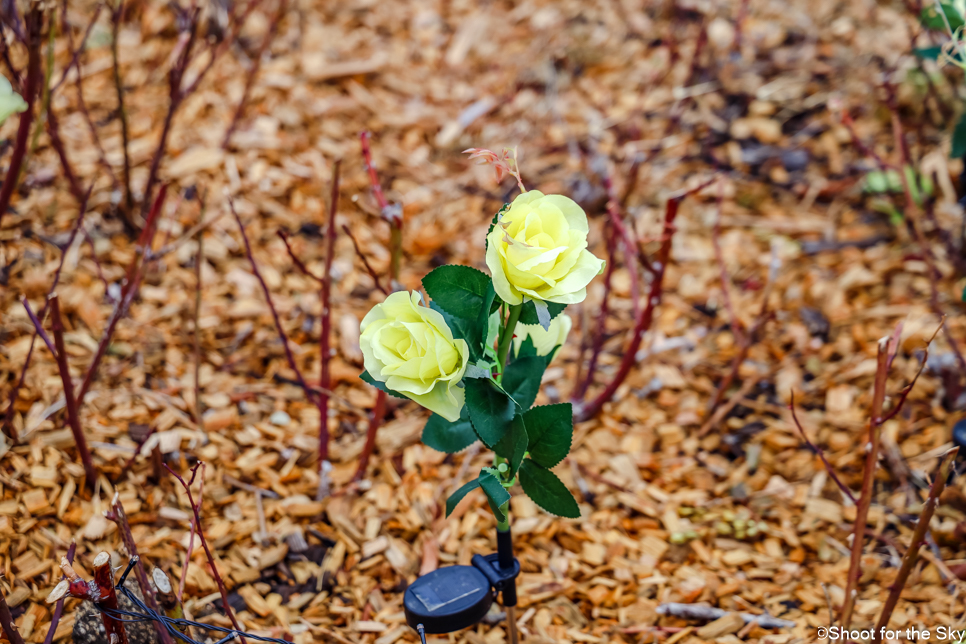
x=179 y=93
x=918 y=538
x=128 y=292
x=371 y=169
x=818 y=450
x=222 y=46
x=187 y=559
x=53 y=130
x=378 y=412
x=395 y=250
x=868 y=474
x=15 y=392
x=199 y=260
x=644 y=319
x=365 y=261
x=59 y=607
x=309 y=392
x=38 y=325
x=82 y=107
x=32 y=21
x=104 y=578
x=597 y=341
x=137 y=452
x=253 y=72
x=299 y=264
x=630 y=244
x=75 y=58
x=7 y=623
x=118 y=516
x=57 y=326
x=116 y=16
x=325 y=353
x=737 y=328
x=195 y=509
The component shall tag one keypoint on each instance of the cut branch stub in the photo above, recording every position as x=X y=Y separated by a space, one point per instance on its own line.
x=60 y=591
x=104 y=579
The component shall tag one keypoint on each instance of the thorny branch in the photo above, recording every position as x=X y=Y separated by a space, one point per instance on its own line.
x=119 y=517
x=325 y=352
x=196 y=511
x=586 y=410
x=15 y=391
x=818 y=450
x=290 y=357
x=886 y=351
x=32 y=22
x=393 y=215
x=918 y=538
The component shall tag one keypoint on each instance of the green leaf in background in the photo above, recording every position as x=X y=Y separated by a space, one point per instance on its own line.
x=550 y=431
x=521 y=379
x=513 y=445
x=367 y=377
x=959 y=138
x=490 y=410
x=527 y=350
x=458 y=290
x=931 y=19
x=496 y=494
x=928 y=53
x=457 y=496
x=463 y=329
x=444 y=436
x=10 y=101
x=547 y=490
x=529 y=314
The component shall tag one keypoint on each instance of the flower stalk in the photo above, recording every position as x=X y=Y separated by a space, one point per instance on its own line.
x=506 y=339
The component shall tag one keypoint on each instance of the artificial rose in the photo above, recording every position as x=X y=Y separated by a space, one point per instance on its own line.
x=411 y=349
x=543 y=341
x=538 y=249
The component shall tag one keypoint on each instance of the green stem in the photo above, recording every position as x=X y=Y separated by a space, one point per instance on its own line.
x=506 y=338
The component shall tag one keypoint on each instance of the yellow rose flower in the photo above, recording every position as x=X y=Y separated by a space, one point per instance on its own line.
x=543 y=341
x=411 y=349
x=538 y=250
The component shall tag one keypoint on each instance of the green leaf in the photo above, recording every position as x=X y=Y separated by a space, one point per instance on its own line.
x=929 y=53
x=444 y=436
x=547 y=490
x=457 y=496
x=513 y=445
x=378 y=384
x=463 y=329
x=496 y=494
x=550 y=431
x=931 y=18
x=521 y=379
x=529 y=314
x=490 y=410
x=461 y=291
x=483 y=318
x=527 y=350
x=959 y=138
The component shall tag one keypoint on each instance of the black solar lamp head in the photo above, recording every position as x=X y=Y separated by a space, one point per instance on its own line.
x=448 y=599
x=456 y=597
